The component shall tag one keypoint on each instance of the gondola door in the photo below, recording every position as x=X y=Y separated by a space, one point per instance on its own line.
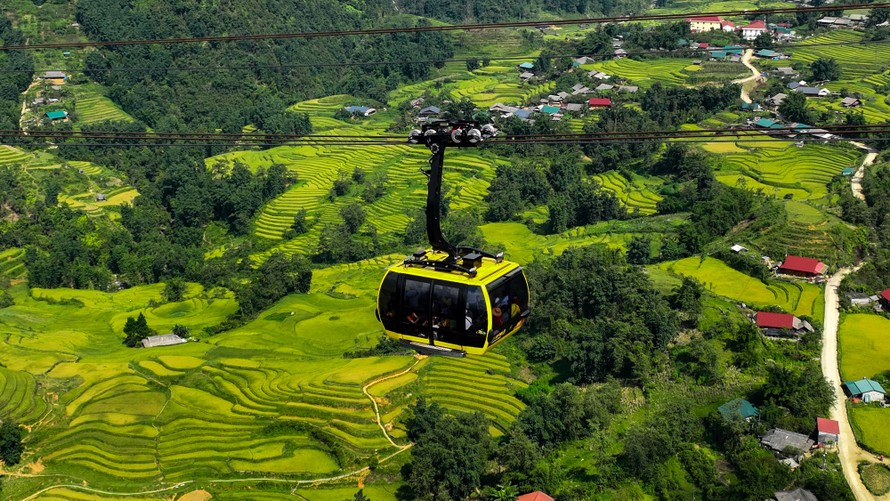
x=416 y=312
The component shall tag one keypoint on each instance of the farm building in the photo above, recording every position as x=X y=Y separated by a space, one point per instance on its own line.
x=786 y=71
x=885 y=299
x=550 y=110
x=777 y=99
x=828 y=431
x=704 y=23
x=850 y=102
x=55 y=76
x=535 y=496
x=782 y=442
x=604 y=87
x=862 y=298
x=798 y=494
x=865 y=389
x=630 y=89
x=599 y=75
x=57 y=115
x=573 y=107
x=429 y=111
x=768 y=54
x=599 y=102
x=580 y=90
x=781 y=324
x=738 y=409
x=802 y=266
x=738 y=248
x=813 y=91
x=100 y=197
x=619 y=53
x=849 y=171
x=162 y=340
x=526 y=75
x=526 y=66
x=754 y=30
x=360 y=110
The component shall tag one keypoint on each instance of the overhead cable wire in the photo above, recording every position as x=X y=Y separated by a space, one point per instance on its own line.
x=443 y=28
x=642 y=52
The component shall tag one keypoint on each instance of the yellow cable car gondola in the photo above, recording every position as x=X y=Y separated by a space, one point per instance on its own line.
x=451 y=300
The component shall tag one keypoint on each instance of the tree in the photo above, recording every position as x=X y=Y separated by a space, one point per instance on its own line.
x=687 y=298
x=639 y=250
x=825 y=69
x=353 y=216
x=6 y=300
x=450 y=453
x=174 y=290
x=299 y=226
x=472 y=64
x=794 y=108
x=360 y=496
x=136 y=330
x=10 y=443
x=181 y=330
x=763 y=41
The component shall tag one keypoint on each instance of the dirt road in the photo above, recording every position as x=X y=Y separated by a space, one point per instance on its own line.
x=848 y=450
x=755 y=75
x=856 y=180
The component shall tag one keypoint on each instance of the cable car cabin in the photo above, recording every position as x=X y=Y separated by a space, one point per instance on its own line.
x=452 y=312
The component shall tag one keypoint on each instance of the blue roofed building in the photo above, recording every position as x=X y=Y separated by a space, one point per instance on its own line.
x=865 y=389
x=526 y=66
x=738 y=409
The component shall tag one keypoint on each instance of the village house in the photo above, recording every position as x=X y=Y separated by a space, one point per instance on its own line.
x=727 y=26
x=535 y=496
x=57 y=115
x=777 y=99
x=885 y=299
x=100 y=197
x=359 y=110
x=55 y=77
x=850 y=102
x=802 y=267
x=162 y=340
x=738 y=249
x=603 y=88
x=769 y=54
x=429 y=111
x=754 y=30
x=704 y=23
x=865 y=389
x=525 y=66
x=526 y=75
x=786 y=71
x=620 y=53
x=799 y=494
x=599 y=102
x=786 y=443
x=812 y=91
x=827 y=430
x=574 y=107
x=599 y=75
x=738 y=410
x=781 y=324
x=861 y=299
x=630 y=89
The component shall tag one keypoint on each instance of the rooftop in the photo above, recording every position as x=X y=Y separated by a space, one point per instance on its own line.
x=162 y=340
x=599 y=101
x=799 y=494
x=738 y=409
x=864 y=385
x=828 y=426
x=778 y=440
x=886 y=294
x=712 y=19
x=535 y=496
x=755 y=25
x=770 y=320
x=804 y=264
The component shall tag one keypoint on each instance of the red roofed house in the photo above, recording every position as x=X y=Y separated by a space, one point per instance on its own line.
x=704 y=23
x=829 y=431
x=535 y=496
x=753 y=30
x=727 y=25
x=885 y=299
x=802 y=266
x=781 y=324
x=599 y=102
x=702 y=45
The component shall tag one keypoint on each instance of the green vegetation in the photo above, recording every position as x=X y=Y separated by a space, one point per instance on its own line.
x=870 y=427
x=876 y=478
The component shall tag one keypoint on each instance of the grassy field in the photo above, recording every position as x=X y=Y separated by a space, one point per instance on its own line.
x=864 y=346
x=717 y=277
x=870 y=426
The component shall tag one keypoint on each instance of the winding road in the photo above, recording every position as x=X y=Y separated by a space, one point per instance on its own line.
x=755 y=74
x=856 y=180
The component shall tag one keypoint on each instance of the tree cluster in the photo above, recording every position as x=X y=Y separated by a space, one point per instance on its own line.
x=11 y=447
x=278 y=276
x=16 y=71
x=137 y=329
x=481 y=11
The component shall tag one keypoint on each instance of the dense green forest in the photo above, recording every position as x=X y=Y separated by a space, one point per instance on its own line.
x=170 y=87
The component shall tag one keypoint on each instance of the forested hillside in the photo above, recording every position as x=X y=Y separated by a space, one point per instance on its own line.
x=172 y=86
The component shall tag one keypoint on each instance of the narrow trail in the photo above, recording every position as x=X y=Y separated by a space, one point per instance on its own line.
x=856 y=180
x=755 y=75
x=420 y=358
x=295 y=483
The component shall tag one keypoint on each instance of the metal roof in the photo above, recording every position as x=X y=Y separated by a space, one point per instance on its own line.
x=864 y=385
x=738 y=409
x=162 y=340
x=778 y=440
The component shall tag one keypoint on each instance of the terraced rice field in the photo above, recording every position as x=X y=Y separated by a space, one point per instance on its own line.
x=793 y=297
x=93 y=106
x=10 y=155
x=668 y=71
x=636 y=195
x=19 y=398
x=864 y=346
x=12 y=264
x=857 y=61
x=875 y=107
x=802 y=172
x=475 y=384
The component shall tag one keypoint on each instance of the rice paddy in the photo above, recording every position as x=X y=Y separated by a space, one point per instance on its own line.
x=93 y=106
x=864 y=346
x=870 y=427
x=638 y=194
x=801 y=299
